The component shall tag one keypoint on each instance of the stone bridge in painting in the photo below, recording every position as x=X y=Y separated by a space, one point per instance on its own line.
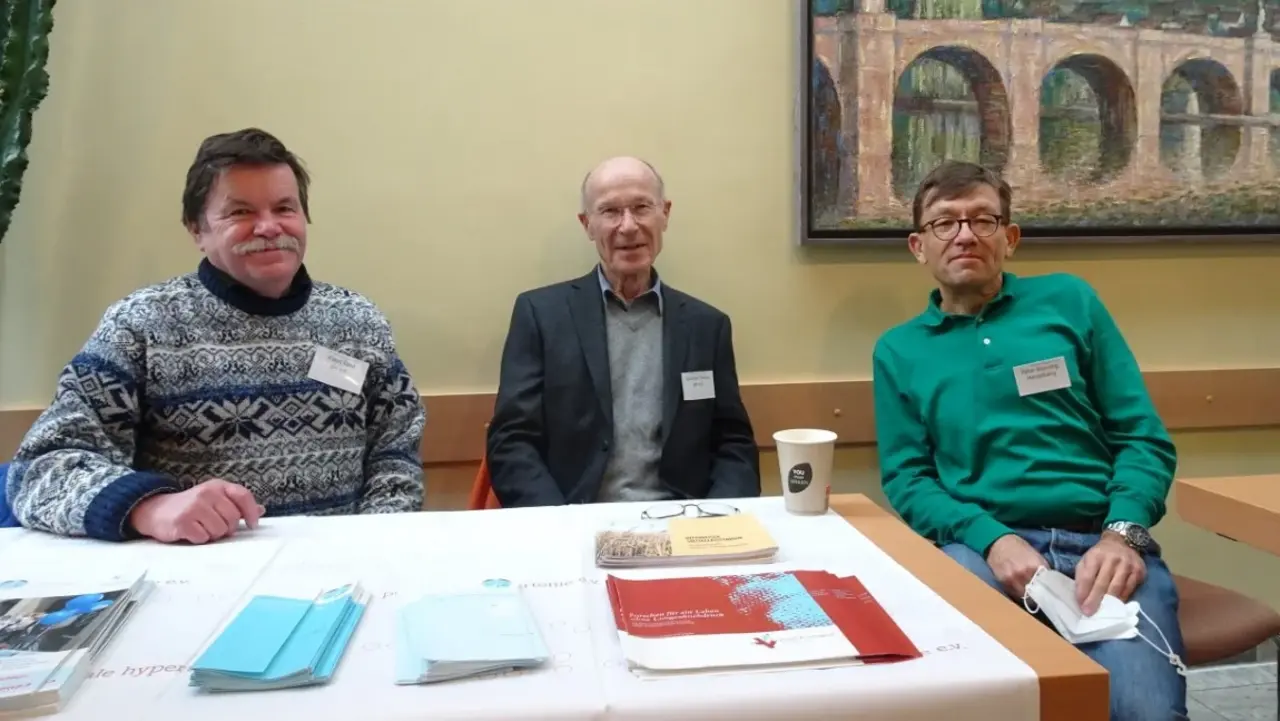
x=864 y=55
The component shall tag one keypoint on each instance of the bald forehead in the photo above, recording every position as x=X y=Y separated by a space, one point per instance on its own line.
x=617 y=172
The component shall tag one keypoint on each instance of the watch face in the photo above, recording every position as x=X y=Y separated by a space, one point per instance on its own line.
x=1137 y=535
x=1134 y=535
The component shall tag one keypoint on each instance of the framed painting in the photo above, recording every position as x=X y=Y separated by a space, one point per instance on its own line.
x=1113 y=120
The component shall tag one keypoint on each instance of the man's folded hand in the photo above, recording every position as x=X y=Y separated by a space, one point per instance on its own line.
x=208 y=512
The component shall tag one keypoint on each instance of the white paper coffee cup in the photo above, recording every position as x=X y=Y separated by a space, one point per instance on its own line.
x=805 y=456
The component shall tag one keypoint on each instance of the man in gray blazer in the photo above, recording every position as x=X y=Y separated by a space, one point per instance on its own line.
x=616 y=386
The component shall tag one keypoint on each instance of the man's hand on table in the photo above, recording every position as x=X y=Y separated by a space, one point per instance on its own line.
x=1110 y=567
x=1014 y=562
x=208 y=512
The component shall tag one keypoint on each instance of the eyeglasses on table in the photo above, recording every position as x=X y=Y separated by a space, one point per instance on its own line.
x=703 y=509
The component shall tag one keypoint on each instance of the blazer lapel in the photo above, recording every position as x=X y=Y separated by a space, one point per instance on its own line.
x=587 y=308
x=675 y=347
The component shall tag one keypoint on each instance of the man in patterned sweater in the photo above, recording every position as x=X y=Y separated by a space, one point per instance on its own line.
x=240 y=390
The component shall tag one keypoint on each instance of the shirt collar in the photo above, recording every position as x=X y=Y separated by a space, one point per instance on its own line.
x=606 y=289
x=934 y=316
x=240 y=296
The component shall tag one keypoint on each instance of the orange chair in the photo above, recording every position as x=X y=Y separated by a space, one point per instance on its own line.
x=482 y=496
x=1218 y=623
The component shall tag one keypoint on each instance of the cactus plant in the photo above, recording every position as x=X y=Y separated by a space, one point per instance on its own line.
x=24 y=50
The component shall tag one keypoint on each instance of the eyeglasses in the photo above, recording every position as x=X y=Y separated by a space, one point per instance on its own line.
x=699 y=510
x=982 y=226
x=639 y=212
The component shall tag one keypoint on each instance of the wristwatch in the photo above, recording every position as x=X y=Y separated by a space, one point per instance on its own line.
x=1137 y=537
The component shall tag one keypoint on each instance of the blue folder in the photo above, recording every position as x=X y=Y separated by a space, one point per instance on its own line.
x=277 y=642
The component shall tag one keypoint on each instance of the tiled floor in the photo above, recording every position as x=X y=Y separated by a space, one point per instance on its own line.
x=1239 y=692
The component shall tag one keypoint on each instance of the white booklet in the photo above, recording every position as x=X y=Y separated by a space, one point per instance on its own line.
x=445 y=636
x=52 y=629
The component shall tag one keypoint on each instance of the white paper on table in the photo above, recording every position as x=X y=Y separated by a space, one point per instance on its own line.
x=975 y=678
x=363 y=686
x=549 y=551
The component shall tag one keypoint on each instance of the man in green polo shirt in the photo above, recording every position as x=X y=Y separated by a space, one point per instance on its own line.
x=1015 y=431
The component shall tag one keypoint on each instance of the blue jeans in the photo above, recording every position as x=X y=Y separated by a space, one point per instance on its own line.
x=1145 y=686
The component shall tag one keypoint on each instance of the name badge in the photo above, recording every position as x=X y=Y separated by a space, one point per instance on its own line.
x=338 y=370
x=698 y=385
x=1042 y=376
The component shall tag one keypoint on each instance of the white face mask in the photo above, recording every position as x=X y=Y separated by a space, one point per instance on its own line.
x=1054 y=594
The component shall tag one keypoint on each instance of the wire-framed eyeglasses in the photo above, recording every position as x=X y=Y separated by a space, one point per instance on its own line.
x=639 y=212
x=703 y=509
x=982 y=226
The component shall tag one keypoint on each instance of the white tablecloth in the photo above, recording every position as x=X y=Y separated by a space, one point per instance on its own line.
x=965 y=674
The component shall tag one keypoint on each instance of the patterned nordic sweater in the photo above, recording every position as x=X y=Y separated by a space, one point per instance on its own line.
x=197 y=378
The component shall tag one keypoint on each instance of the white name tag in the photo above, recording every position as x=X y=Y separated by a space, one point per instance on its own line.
x=1041 y=376
x=698 y=385
x=338 y=370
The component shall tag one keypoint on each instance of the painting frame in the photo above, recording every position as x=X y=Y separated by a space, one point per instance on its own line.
x=809 y=235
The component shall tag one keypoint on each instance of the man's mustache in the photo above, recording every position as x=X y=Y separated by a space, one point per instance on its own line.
x=257 y=245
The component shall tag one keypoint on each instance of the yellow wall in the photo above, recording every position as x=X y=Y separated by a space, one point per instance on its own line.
x=447 y=139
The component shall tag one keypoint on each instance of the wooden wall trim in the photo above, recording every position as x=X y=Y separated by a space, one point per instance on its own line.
x=14 y=423
x=1186 y=399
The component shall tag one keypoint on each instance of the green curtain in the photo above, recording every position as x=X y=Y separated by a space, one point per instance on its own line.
x=24 y=50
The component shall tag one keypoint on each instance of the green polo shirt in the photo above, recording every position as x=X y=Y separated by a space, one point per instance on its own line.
x=967 y=452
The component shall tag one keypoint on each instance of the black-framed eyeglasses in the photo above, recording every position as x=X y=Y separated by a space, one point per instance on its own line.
x=702 y=509
x=982 y=226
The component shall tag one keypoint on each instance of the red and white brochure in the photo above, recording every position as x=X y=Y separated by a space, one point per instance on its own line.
x=785 y=618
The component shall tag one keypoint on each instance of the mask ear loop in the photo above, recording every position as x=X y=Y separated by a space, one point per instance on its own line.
x=1027 y=600
x=1174 y=658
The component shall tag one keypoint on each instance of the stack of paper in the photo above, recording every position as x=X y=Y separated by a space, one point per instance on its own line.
x=718 y=623
x=281 y=642
x=52 y=630
x=680 y=541
x=441 y=637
